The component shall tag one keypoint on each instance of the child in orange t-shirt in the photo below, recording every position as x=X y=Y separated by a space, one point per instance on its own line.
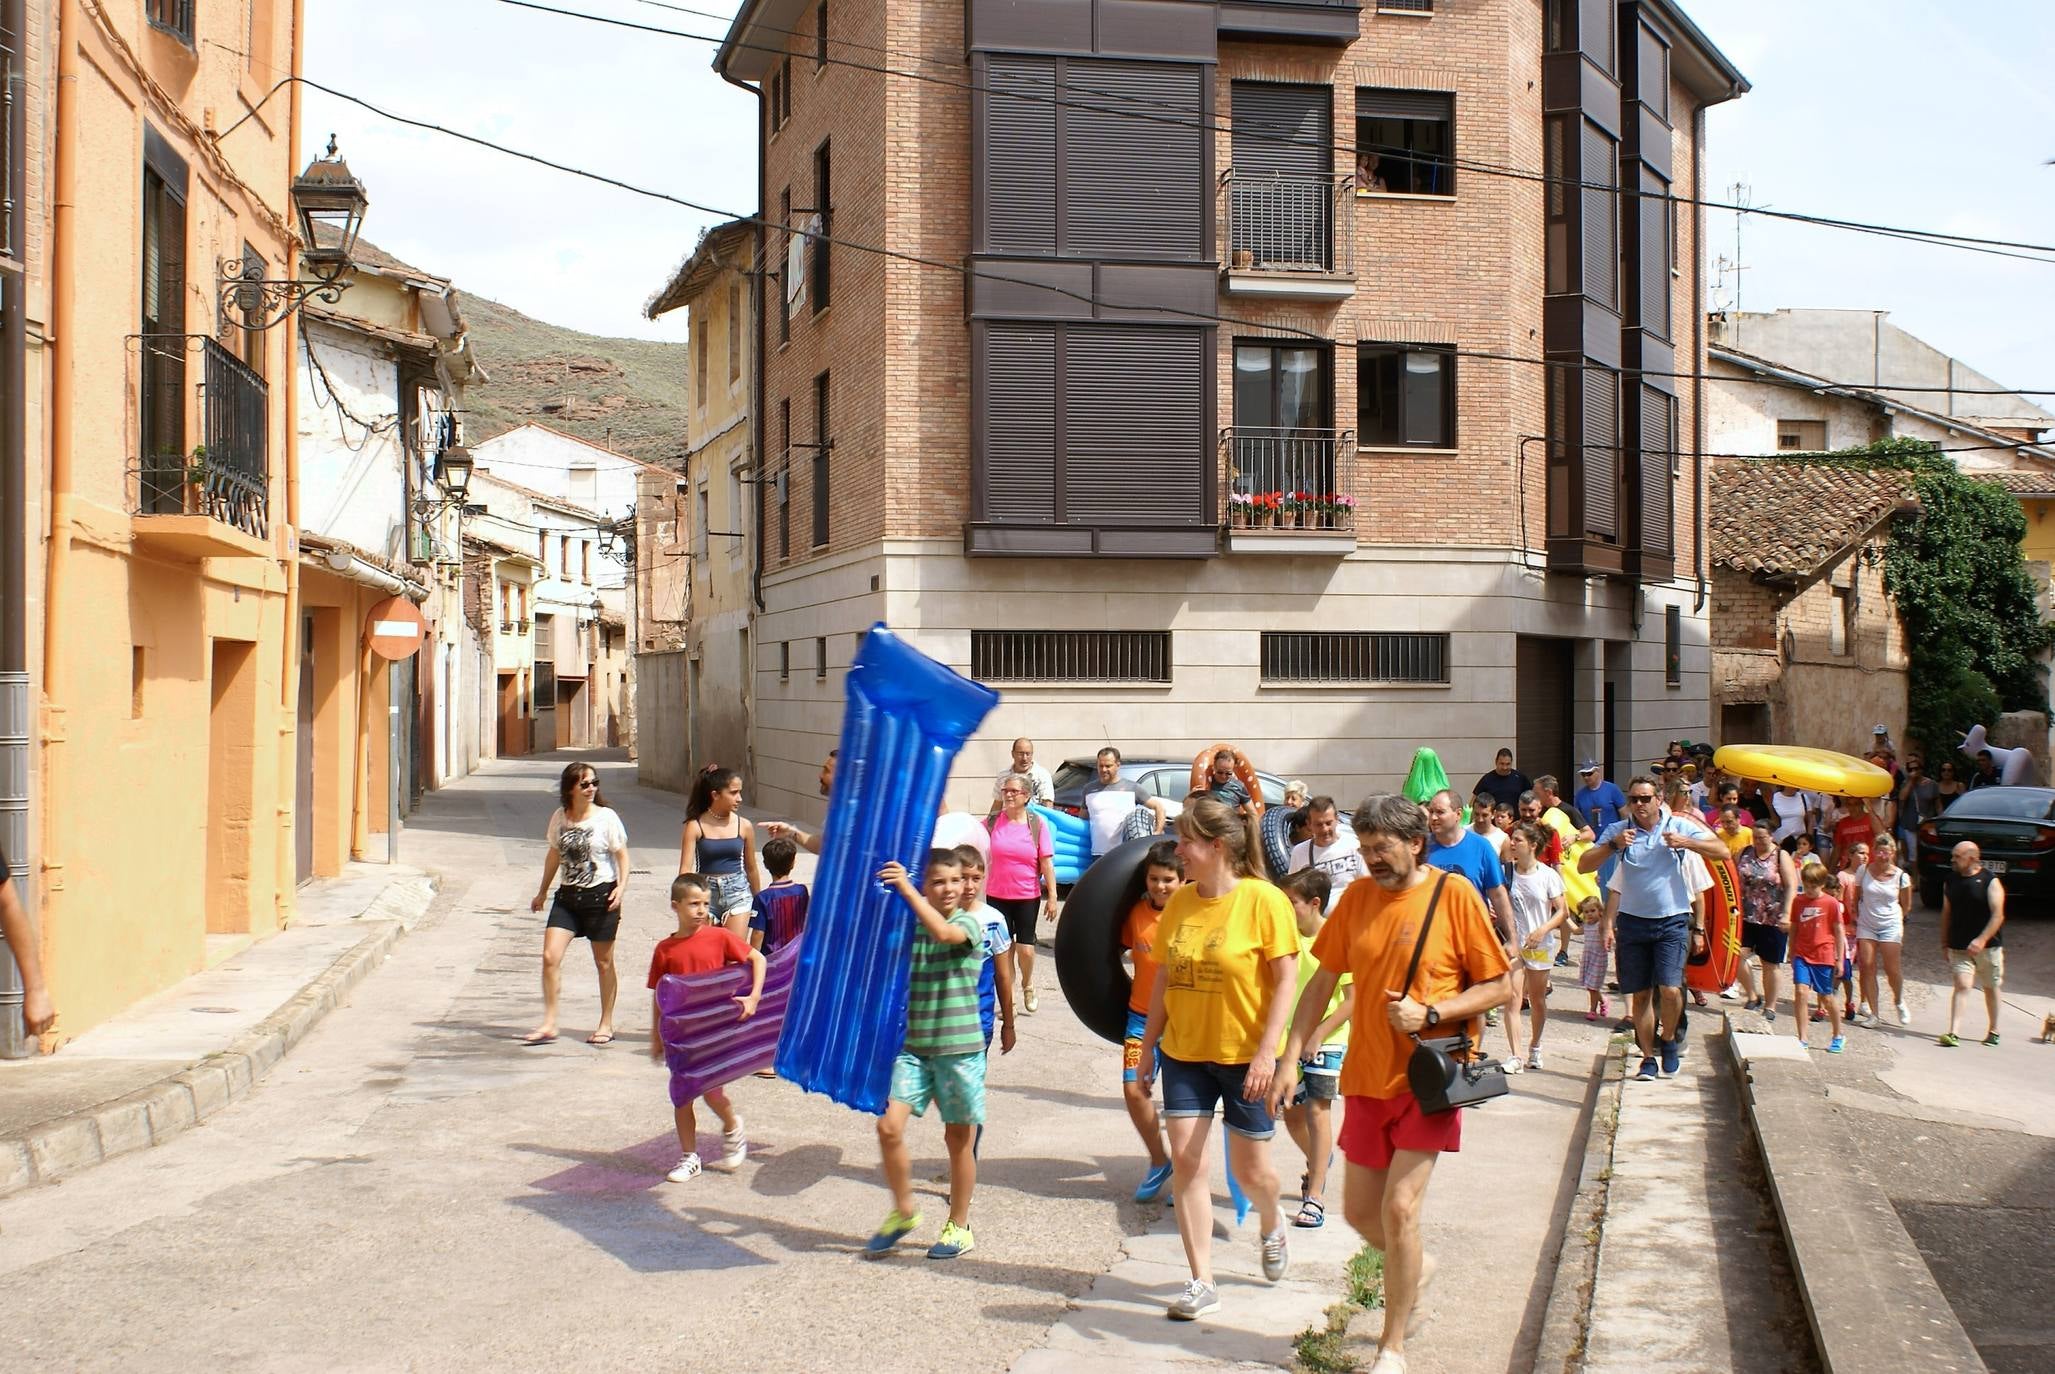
x=700 y=947
x=1162 y=875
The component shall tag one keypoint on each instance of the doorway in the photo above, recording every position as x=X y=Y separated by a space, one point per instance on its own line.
x=303 y=760
x=231 y=784
x=509 y=733
x=1543 y=696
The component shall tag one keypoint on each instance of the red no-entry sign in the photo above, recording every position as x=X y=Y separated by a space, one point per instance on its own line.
x=395 y=628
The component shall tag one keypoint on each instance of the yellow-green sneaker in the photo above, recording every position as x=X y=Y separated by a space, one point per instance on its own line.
x=891 y=1231
x=956 y=1240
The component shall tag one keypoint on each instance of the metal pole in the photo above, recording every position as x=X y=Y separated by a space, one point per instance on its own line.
x=392 y=765
x=15 y=694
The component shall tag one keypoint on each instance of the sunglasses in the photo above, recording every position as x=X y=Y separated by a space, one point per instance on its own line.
x=589 y=785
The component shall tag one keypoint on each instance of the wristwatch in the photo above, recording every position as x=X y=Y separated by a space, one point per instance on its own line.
x=1433 y=1017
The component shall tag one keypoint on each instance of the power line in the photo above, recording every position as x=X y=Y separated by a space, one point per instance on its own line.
x=2032 y=252
x=958 y=269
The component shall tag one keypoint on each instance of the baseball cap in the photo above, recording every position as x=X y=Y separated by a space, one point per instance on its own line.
x=1588 y=766
x=1880 y=730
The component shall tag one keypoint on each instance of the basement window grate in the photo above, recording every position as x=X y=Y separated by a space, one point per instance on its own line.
x=1291 y=656
x=1070 y=655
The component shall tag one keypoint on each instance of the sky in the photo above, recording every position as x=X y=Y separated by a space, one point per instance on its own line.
x=1902 y=112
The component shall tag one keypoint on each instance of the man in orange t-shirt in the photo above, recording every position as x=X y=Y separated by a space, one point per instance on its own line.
x=1389 y=1143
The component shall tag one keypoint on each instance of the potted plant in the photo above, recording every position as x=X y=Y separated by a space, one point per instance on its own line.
x=1240 y=509
x=1265 y=507
x=1343 y=508
x=196 y=479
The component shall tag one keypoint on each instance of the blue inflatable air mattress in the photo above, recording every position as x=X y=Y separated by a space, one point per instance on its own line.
x=905 y=718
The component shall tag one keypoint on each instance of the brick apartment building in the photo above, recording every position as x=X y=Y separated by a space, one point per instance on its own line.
x=1151 y=269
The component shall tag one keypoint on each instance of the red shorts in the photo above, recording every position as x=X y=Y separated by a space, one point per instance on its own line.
x=1374 y=1128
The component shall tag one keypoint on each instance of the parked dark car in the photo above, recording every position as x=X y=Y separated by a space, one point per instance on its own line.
x=2013 y=826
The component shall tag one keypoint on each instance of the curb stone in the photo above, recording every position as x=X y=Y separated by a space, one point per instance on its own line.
x=1846 y=1240
x=188 y=1095
x=1568 y=1315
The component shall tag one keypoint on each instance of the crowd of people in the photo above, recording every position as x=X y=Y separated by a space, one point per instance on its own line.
x=1262 y=996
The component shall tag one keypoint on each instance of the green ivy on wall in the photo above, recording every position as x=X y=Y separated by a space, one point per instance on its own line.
x=1973 y=626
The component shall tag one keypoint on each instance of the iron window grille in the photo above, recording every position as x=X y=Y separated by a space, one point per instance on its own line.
x=1341 y=656
x=1405 y=6
x=820 y=658
x=1070 y=656
x=226 y=476
x=784 y=660
x=174 y=17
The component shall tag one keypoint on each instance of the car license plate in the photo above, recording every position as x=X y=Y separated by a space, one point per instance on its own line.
x=1995 y=865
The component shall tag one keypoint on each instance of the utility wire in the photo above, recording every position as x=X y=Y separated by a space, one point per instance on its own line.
x=1270 y=330
x=2032 y=252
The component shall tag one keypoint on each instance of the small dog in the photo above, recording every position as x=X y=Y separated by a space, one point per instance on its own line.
x=2047 y=1035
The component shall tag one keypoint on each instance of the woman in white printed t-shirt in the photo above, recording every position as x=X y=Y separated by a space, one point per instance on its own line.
x=588 y=852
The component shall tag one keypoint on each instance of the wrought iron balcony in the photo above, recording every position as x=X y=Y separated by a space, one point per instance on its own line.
x=1288 y=490
x=210 y=498
x=1290 y=236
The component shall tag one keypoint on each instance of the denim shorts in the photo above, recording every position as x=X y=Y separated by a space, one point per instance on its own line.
x=1195 y=1089
x=1649 y=951
x=730 y=893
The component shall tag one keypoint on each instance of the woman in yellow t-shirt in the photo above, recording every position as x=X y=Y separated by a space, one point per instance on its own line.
x=1228 y=951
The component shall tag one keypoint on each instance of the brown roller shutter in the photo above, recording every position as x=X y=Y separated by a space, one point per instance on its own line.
x=1020 y=154
x=1601 y=211
x=1134 y=180
x=1654 y=252
x=1020 y=423
x=1601 y=453
x=1134 y=425
x=1658 y=414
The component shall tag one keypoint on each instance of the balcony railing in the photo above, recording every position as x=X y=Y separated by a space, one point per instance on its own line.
x=175 y=17
x=1293 y=482
x=226 y=476
x=1278 y=223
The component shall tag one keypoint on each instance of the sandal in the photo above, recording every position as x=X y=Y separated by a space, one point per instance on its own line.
x=1312 y=1214
x=600 y=1038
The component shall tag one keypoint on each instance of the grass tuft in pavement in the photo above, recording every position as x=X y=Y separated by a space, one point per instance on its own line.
x=1324 y=1350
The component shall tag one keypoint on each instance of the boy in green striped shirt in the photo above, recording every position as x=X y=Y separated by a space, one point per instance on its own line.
x=944 y=1057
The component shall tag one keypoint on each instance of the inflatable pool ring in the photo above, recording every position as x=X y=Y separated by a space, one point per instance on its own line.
x=904 y=721
x=1277 y=826
x=1576 y=886
x=1088 y=964
x=2015 y=766
x=1719 y=965
x=1809 y=770
x=1244 y=772
x=705 y=1044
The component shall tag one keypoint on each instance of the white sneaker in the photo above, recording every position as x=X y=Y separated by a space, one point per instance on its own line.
x=1534 y=1059
x=1904 y=1015
x=687 y=1170
x=1510 y=1065
x=734 y=1146
x=1388 y=1362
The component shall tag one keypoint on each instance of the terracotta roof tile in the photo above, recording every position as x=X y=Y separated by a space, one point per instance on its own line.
x=1775 y=519
x=2019 y=482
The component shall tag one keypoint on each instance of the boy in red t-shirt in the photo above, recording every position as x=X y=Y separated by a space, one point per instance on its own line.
x=1856 y=826
x=1162 y=875
x=699 y=947
x=1819 y=947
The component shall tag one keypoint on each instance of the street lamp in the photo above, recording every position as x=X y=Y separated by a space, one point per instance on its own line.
x=453 y=472
x=329 y=203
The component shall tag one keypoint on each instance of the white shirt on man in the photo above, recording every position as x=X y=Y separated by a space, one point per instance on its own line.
x=1040 y=787
x=1341 y=861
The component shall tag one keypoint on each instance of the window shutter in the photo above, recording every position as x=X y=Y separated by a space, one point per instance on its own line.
x=1020 y=423
x=1383 y=104
x=1658 y=413
x=1655 y=256
x=1282 y=130
x=1135 y=444
x=1601 y=453
x=1134 y=159
x=1601 y=213
x=1020 y=155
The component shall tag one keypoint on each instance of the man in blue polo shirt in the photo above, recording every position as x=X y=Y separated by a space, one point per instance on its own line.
x=1455 y=848
x=1599 y=800
x=1653 y=931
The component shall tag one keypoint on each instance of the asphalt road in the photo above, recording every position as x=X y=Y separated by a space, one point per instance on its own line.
x=413 y=1189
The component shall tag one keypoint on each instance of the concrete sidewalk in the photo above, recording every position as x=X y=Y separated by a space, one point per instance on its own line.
x=179 y=1057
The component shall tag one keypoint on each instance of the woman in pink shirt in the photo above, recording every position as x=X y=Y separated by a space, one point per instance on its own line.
x=1022 y=876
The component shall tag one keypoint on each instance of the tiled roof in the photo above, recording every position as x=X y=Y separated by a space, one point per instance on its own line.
x=1777 y=520
x=2017 y=481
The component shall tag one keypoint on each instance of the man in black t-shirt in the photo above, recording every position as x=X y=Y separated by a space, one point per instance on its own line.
x=1504 y=783
x=1973 y=936
x=37 y=1014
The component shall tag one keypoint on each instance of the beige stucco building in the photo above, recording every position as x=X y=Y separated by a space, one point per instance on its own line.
x=720 y=487
x=164 y=578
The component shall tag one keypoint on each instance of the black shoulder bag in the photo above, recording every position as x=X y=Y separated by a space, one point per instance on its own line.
x=1440 y=1073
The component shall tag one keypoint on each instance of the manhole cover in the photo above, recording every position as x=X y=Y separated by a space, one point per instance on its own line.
x=217 y=1011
